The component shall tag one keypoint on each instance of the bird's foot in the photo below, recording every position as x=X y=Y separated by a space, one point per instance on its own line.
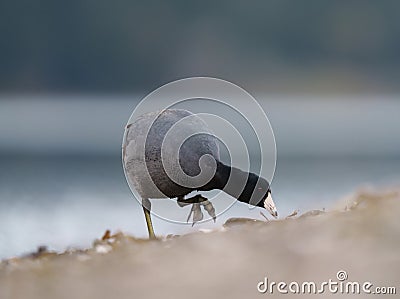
x=196 y=202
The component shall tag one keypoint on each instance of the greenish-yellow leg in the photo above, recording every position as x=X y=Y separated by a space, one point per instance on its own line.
x=146 y=209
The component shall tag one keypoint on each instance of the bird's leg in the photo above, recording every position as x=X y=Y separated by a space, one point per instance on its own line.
x=197 y=201
x=197 y=214
x=146 y=204
x=207 y=205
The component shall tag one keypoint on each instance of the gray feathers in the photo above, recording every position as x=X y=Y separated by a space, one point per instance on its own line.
x=178 y=155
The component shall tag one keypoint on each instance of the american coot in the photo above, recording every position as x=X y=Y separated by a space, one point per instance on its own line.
x=154 y=141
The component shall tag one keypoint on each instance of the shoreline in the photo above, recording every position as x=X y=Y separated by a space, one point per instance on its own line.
x=359 y=236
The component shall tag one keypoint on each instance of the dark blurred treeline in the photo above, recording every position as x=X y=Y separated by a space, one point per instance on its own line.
x=124 y=46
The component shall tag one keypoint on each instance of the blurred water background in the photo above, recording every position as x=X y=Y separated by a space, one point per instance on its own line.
x=62 y=182
x=326 y=72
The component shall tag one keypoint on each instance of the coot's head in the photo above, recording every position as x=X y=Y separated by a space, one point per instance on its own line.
x=268 y=204
x=262 y=194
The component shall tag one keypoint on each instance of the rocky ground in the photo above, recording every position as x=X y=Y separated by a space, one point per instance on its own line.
x=360 y=236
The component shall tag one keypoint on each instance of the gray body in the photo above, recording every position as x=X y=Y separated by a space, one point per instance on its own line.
x=143 y=153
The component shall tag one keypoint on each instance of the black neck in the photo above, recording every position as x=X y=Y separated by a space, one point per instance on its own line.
x=235 y=187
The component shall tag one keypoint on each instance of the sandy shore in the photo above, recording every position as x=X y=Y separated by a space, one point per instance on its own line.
x=360 y=236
